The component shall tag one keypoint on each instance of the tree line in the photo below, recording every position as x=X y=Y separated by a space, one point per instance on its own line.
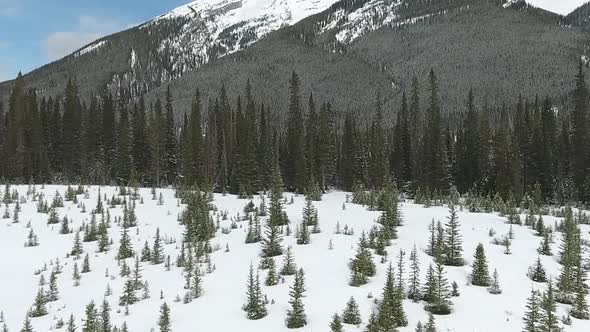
x=231 y=145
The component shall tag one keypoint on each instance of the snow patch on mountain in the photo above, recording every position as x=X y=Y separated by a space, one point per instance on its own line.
x=90 y=48
x=562 y=7
x=214 y=28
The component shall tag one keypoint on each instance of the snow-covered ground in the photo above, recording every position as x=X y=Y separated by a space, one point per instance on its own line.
x=220 y=306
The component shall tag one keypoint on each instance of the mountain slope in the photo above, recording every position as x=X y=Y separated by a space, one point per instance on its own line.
x=224 y=287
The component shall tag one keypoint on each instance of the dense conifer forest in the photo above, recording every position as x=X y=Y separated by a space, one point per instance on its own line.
x=523 y=148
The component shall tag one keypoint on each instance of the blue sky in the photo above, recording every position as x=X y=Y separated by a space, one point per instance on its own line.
x=36 y=32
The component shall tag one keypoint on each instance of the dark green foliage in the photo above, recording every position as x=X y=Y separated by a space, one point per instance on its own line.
x=255 y=306
x=391 y=313
x=537 y=272
x=453 y=242
x=164 y=322
x=296 y=317
x=336 y=324
x=289 y=267
x=532 y=317
x=39 y=309
x=351 y=314
x=92 y=320
x=480 y=275
x=125 y=246
x=361 y=266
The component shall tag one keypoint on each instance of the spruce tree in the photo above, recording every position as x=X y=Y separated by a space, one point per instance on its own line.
x=351 y=314
x=361 y=266
x=439 y=301
x=295 y=163
x=391 y=312
x=538 y=272
x=336 y=324
x=91 y=323
x=271 y=278
x=255 y=306
x=77 y=249
x=289 y=266
x=53 y=292
x=495 y=287
x=532 y=317
x=164 y=322
x=480 y=275
x=76 y=275
x=104 y=324
x=27 y=326
x=549 y=320
x=39 y=308
x=157 y=252
x=128 y=296
x=125 y=247
x=296 y=317
x=453 y=239
x=414 y=286
x=71 y=327
x=86 y=264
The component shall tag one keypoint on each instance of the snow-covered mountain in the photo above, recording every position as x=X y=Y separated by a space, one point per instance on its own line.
x=210 y=29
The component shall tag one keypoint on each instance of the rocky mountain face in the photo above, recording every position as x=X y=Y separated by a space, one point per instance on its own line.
x=347 y=51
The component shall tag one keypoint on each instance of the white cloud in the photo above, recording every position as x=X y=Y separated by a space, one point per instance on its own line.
x=87 y=30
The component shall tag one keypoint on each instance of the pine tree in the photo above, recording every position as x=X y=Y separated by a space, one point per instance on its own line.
x=289 y=266
x=27 y=327
x=480 y=275
x=545 y=246
x=255 y=306
x=495 y=288
x=53 y=292
x=296 y=317
x=39 y=308
x=272 y=241
x=197 y=284
x=361 y=266
x=303 y=236
x=77 y=249
x=128 y=297
x=125 y=247
x=549 y=320
x=86 y=264
x=146 y=253
x=91 y=323
x=538 y=272
x=271 y=278
x=414 y=287
x=137 y=279
x=170 y=145
x=580 y=122
x=453 y=238
x=431 y=325
x=336 y=324
x=532 y=317
x=104 y=324
x=351 y=314
x=71 y=327
x=391 y=312
x=157 y=252
x=76 y=275
x=164 y=322
x=295 y=163
x=438 y=291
